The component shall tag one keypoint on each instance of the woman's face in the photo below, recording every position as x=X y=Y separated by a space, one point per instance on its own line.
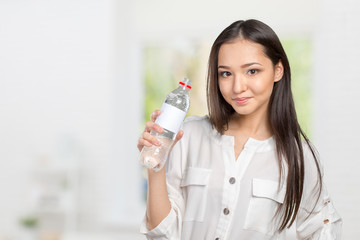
x=246 y=76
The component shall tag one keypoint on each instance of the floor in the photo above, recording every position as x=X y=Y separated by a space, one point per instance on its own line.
x=103 y=236
x=128 y=235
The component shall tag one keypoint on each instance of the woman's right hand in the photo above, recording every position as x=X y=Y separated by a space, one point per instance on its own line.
x=146 y=139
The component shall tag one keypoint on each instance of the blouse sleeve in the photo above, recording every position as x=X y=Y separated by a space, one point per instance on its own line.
x=171 y=226
x=317 y=217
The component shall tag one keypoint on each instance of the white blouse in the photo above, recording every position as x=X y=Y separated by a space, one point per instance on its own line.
x=215 y=196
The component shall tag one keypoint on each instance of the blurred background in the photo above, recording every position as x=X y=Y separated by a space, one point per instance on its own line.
x=78 y=79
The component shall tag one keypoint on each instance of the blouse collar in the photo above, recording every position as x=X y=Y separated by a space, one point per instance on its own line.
x=252 y=143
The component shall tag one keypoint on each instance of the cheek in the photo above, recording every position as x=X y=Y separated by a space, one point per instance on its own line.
x=258 y=87
x=263 y=86
x=224 y=89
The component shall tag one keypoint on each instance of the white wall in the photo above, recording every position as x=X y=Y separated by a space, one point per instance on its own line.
x=126 y=205
x=337 y=106
x=67 y=77
x=166 y=20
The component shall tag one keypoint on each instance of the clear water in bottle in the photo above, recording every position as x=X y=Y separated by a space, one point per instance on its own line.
x=173 y=112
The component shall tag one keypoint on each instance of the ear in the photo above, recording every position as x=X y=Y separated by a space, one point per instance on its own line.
x=279 y=71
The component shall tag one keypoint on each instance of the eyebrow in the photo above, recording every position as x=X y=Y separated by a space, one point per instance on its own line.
x=242 y=66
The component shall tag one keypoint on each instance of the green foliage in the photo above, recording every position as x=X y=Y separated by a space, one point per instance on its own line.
x=164 y=68
x=299 y=54
x=29 y=222
x=159 y=79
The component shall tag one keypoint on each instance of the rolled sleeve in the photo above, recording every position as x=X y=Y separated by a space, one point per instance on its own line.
x=161 y=231
x=324 y=223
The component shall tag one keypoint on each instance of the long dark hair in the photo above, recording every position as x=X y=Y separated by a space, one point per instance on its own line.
x=282 y=115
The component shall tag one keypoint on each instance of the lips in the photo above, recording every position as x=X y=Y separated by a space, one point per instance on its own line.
x=242 y=100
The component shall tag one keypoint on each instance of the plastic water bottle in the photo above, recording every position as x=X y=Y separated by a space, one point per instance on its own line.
x=173 y=112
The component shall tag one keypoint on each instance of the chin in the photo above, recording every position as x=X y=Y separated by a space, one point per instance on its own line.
x=243 y=110
x=249 y=109
x=242 y=113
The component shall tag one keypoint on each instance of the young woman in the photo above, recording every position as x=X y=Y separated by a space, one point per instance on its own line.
x=246 y=171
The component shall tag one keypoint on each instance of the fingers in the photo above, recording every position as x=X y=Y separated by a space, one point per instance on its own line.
x=179 y=135
x=142 y=142
x=150 y=125
x=146 y=139
x=155 y=115
x=151 y=139
x=153 y=126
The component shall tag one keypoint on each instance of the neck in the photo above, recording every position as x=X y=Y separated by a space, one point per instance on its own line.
x=255 y=125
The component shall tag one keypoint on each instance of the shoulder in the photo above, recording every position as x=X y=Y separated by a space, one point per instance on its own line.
x=197 y=122
x=197 y=128
x=194 y=118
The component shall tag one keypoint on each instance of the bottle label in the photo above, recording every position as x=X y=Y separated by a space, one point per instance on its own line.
x=170 y=118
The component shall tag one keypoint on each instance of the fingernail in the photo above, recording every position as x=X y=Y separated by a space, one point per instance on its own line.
x=158 y=143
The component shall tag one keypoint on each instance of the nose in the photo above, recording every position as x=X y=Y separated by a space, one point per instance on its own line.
x=239 y=84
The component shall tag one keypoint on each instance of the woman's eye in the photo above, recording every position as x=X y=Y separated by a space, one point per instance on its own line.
x=225 y=74
x=253 y=71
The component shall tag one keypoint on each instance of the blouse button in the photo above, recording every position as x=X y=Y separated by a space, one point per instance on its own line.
x=217 y=238
x=226 y=211
x=232 y=180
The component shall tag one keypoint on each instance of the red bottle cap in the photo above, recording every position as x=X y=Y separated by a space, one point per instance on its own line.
x=188 y=86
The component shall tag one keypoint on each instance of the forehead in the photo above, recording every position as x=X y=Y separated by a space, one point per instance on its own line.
x=241 y=51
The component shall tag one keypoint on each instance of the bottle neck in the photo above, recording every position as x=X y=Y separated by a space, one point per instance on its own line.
x=184 y=87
